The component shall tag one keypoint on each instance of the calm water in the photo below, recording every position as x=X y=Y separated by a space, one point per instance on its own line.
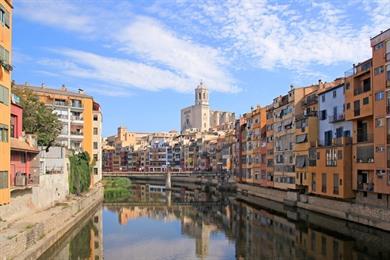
x=170 y=226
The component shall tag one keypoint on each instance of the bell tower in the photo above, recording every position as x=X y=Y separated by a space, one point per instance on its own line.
x=201 y=95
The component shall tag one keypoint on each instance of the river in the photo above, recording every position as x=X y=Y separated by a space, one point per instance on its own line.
x=188 y=225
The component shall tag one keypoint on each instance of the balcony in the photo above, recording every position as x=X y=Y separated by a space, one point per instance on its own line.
x=310 y=100
x=365 y=154
x=336 y=118
x=366 y=186
x=364 y=137
x=362 y=89
x=356 y=112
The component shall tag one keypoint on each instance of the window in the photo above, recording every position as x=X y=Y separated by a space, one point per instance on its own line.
x=348 y=106
x=3 y=179
x=4 y=17
x=323 y=245
x=380 y=149
x=313 y=182
x=378 y=70
x=347 y=85
x=334 y=93
x=3 y=133
x=379 y=122
x=323 y=115
x=4 y=95
x=339 y=155
x=95 y=131
x=323 y=183
x=379 y=95
x=323 y=98
x=95 y=118
x=378 y=46
x=95 y=145
x=95 y=157
x=366 y=101
x=336 y=183
x=339 y=132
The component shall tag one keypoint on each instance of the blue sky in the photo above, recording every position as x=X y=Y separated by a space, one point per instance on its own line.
x=141 y=60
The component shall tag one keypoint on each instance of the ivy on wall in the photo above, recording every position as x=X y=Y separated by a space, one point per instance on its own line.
x=80 y=173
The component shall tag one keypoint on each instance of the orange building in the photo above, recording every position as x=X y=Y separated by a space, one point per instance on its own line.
x=270 y=144
x=5 y=105
x=306 y=131
x=333 y=173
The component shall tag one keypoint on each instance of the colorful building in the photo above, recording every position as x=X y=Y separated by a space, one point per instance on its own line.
x=333 y=173
x=74 y=110
x=24 y=164
x=5 y=104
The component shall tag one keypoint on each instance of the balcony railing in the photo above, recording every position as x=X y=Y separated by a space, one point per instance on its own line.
x=365 y=154
x=363 y=137
x=78 y=118
x=76 y=133
x=356 y=112
x=366 y=186
x=361 y=89
x=336 y=118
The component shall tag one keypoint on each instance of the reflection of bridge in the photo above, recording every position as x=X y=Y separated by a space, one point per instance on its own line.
x=158 y=174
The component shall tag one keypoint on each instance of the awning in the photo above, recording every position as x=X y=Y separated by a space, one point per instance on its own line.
x=300 y=161
x=22 y=146
x=301 y=138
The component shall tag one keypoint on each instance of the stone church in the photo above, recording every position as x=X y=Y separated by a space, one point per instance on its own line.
x=199 y=116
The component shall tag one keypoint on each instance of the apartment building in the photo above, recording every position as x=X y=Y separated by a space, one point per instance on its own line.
x=5 y=90
x=306 y=132
x=270 y=145
x=333 y=173
x=285 y=110
x=74 y=110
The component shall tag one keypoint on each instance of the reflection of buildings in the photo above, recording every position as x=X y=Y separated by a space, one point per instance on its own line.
x=201 y=232
x=96 y=243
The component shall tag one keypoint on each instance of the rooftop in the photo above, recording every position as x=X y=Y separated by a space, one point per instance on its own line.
x=61 y=91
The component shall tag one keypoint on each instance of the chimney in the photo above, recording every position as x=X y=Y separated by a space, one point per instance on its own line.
x=81 y=91
x=63 y=87
x=42 y=84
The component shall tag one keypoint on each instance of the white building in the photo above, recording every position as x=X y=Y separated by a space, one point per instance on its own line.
x=200 y=117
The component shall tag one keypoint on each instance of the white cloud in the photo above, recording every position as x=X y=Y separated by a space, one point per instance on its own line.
x=58 y=13
x=119 y=72
x=153 y=42
x=296 y=36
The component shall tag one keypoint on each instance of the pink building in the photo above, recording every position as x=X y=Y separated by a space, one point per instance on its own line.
x=23 y=151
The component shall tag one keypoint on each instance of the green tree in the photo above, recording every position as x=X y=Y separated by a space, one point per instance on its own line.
x=38 y=119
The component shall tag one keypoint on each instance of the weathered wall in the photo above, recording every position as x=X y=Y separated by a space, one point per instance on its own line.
x=364 y=214
x=29 y=238
x=52 y=188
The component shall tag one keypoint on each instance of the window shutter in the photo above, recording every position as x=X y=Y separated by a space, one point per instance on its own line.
x=7 y=19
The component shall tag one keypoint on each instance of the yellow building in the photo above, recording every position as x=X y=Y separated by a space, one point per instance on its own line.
x=5 y=87
x=75 y=111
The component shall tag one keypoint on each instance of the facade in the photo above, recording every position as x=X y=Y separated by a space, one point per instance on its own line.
x=5 y=104
x=74 y=110
x=97 y=125
x=333 y=175
x=200 y=117
x=306 y=135
x=24 y=165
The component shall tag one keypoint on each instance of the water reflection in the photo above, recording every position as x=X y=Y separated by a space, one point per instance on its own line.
x=174 y=226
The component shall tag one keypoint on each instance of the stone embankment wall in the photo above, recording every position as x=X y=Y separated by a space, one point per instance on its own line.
x=363 y=214
x=30 y=237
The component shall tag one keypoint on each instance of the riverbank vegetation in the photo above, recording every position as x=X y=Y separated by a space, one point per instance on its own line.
x=116 y=189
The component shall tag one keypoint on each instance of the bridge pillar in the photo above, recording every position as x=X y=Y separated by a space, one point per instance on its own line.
x=168 y=184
